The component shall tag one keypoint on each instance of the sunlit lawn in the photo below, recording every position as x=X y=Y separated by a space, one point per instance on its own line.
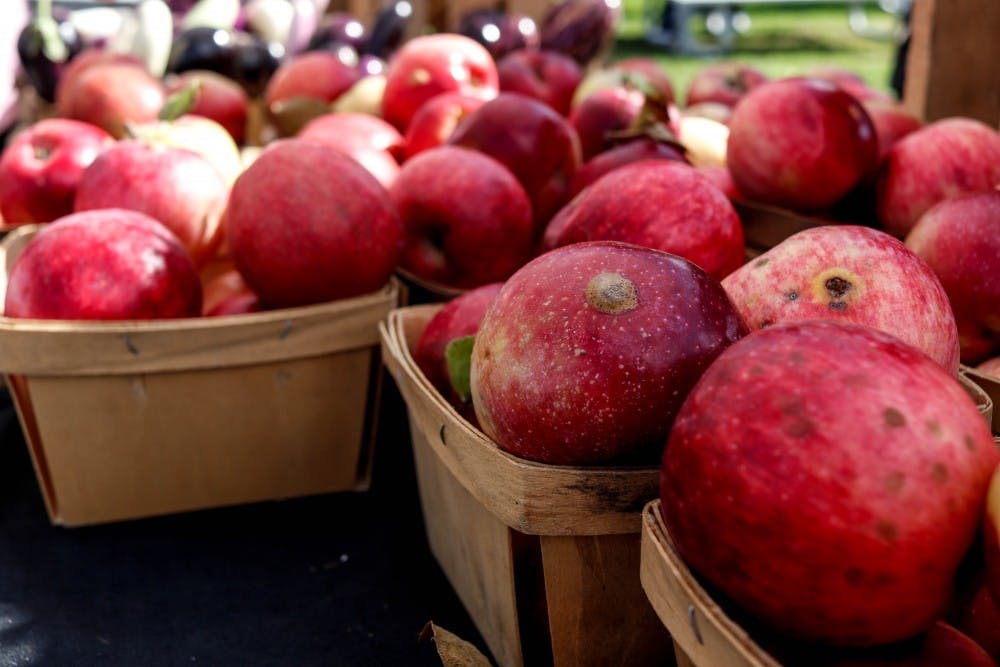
x=781 y=41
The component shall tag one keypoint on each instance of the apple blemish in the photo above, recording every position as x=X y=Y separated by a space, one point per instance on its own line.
x=612 y=293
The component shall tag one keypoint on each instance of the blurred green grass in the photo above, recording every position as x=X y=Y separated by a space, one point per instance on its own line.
x=781 y=41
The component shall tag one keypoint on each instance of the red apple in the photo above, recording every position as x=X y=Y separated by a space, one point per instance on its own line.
x=941 y=160
x=722 y=179
x=723 y=83
x=892 y=122
x=604 y=112
x=41 y=166
x=828 y=479
x=942 y=645
x=960 y=240
x=990 y=367
x=980 y=621
x=530 y=139
x=466 y=218
x=226 y=293
x=458 y=318
x=657 y=204
x=588 y=351
x=308 y=224
x=800 y=143
x=653 y=73
x=177 y=187
x=429 y=65
x=547 y=76
x=374 y=143
x=111 y=94
x=219 y=98
x=318 y=75
x=642 y=148
x=107 y=264
x=83 y=60
x=435 y=121
x=720 y=113
x=852 y=274
x=853 y=83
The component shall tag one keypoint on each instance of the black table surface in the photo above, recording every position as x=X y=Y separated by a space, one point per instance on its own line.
x=340 y=579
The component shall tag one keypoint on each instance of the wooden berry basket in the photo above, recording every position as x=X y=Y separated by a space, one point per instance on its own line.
x=703 y=634
x=134 y=419
x=988 y=385
x=544 y=558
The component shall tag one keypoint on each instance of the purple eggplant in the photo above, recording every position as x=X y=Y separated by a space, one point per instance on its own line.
x=581 y=29
x=499 y=31
x=245 y=58
x=339 y=28
x=388 y=29
x=44 y=46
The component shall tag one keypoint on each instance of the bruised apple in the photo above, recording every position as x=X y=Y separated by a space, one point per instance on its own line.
x=106 y=264
x=829 y=480
x=659 y=204
x=588 y=351
x=307 y=224
x=457 y=319
x=853 y=274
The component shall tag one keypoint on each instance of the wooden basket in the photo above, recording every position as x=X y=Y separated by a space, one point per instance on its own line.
x=703 y=634
x=134 y=419
x=988 y=386
x=544 y=558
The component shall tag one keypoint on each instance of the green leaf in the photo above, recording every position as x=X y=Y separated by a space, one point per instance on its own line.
x=458 y=357
x=180 y=102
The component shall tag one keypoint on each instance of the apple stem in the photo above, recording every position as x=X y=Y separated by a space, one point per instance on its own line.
x=180 y=102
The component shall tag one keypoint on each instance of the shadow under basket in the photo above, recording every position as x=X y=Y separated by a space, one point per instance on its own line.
x=135 y=419
x=544 y=558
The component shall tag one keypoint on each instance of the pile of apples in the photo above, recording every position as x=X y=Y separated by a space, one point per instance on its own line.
x=822 y=467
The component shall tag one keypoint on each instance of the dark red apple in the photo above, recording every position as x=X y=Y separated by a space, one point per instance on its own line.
x=942 y=645
x=466 y=218
x=980 y=621
x=110 y=94
x=892 y=122
x=374 y=143
x=41 y=166
x=458 y=318
x=657 y=204
x=219 y=98
x=941 y=160
x=500 y=32
x=108 y=264
x=852 y=274
x=642 y=148
x=828 y=479
x=588 y=351
x=530 y=139
x=430 y=65
x=307 y=224
x=604 y=112
x=177 y=187
x=723 y=83
x=722 y=179
x=960 y=240
x=800 y=143
x=547 y=76
x=653 y=72
x=434 y=122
